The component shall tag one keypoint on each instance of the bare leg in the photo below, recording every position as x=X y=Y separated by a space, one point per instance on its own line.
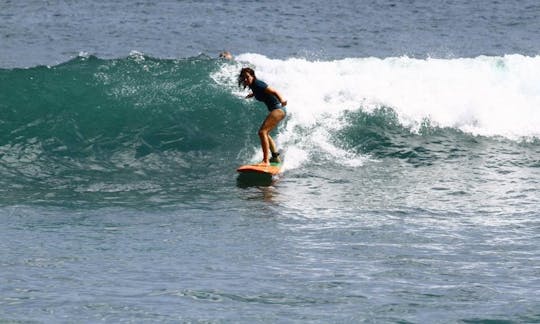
x=273 y=147
x=267 y=143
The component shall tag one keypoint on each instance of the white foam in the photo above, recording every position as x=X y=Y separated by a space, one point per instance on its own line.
x=491 y=96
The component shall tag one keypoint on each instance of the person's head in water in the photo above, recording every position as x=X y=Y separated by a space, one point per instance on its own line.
x=226 y=55
x=246 y=77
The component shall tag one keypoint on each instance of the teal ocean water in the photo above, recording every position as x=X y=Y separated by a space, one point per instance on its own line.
x=410 y=190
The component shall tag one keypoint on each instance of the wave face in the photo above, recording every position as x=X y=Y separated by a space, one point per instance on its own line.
x=94 y=129
x=93 y=125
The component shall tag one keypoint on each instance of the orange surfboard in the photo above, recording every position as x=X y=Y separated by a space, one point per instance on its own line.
x=272 y=169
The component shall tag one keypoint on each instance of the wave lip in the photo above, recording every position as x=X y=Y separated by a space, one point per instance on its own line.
x=490 y=96
x=392 y=98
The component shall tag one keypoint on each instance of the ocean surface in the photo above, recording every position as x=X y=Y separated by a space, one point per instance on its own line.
x=410 y=191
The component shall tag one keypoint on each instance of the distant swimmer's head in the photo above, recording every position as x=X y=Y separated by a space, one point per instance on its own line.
x=246 y=77
x=226 y=55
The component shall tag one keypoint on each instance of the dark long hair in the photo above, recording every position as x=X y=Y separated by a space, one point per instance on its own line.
x=243 y=73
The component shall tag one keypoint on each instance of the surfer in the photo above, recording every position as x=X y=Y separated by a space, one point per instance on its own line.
x=276 y=107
